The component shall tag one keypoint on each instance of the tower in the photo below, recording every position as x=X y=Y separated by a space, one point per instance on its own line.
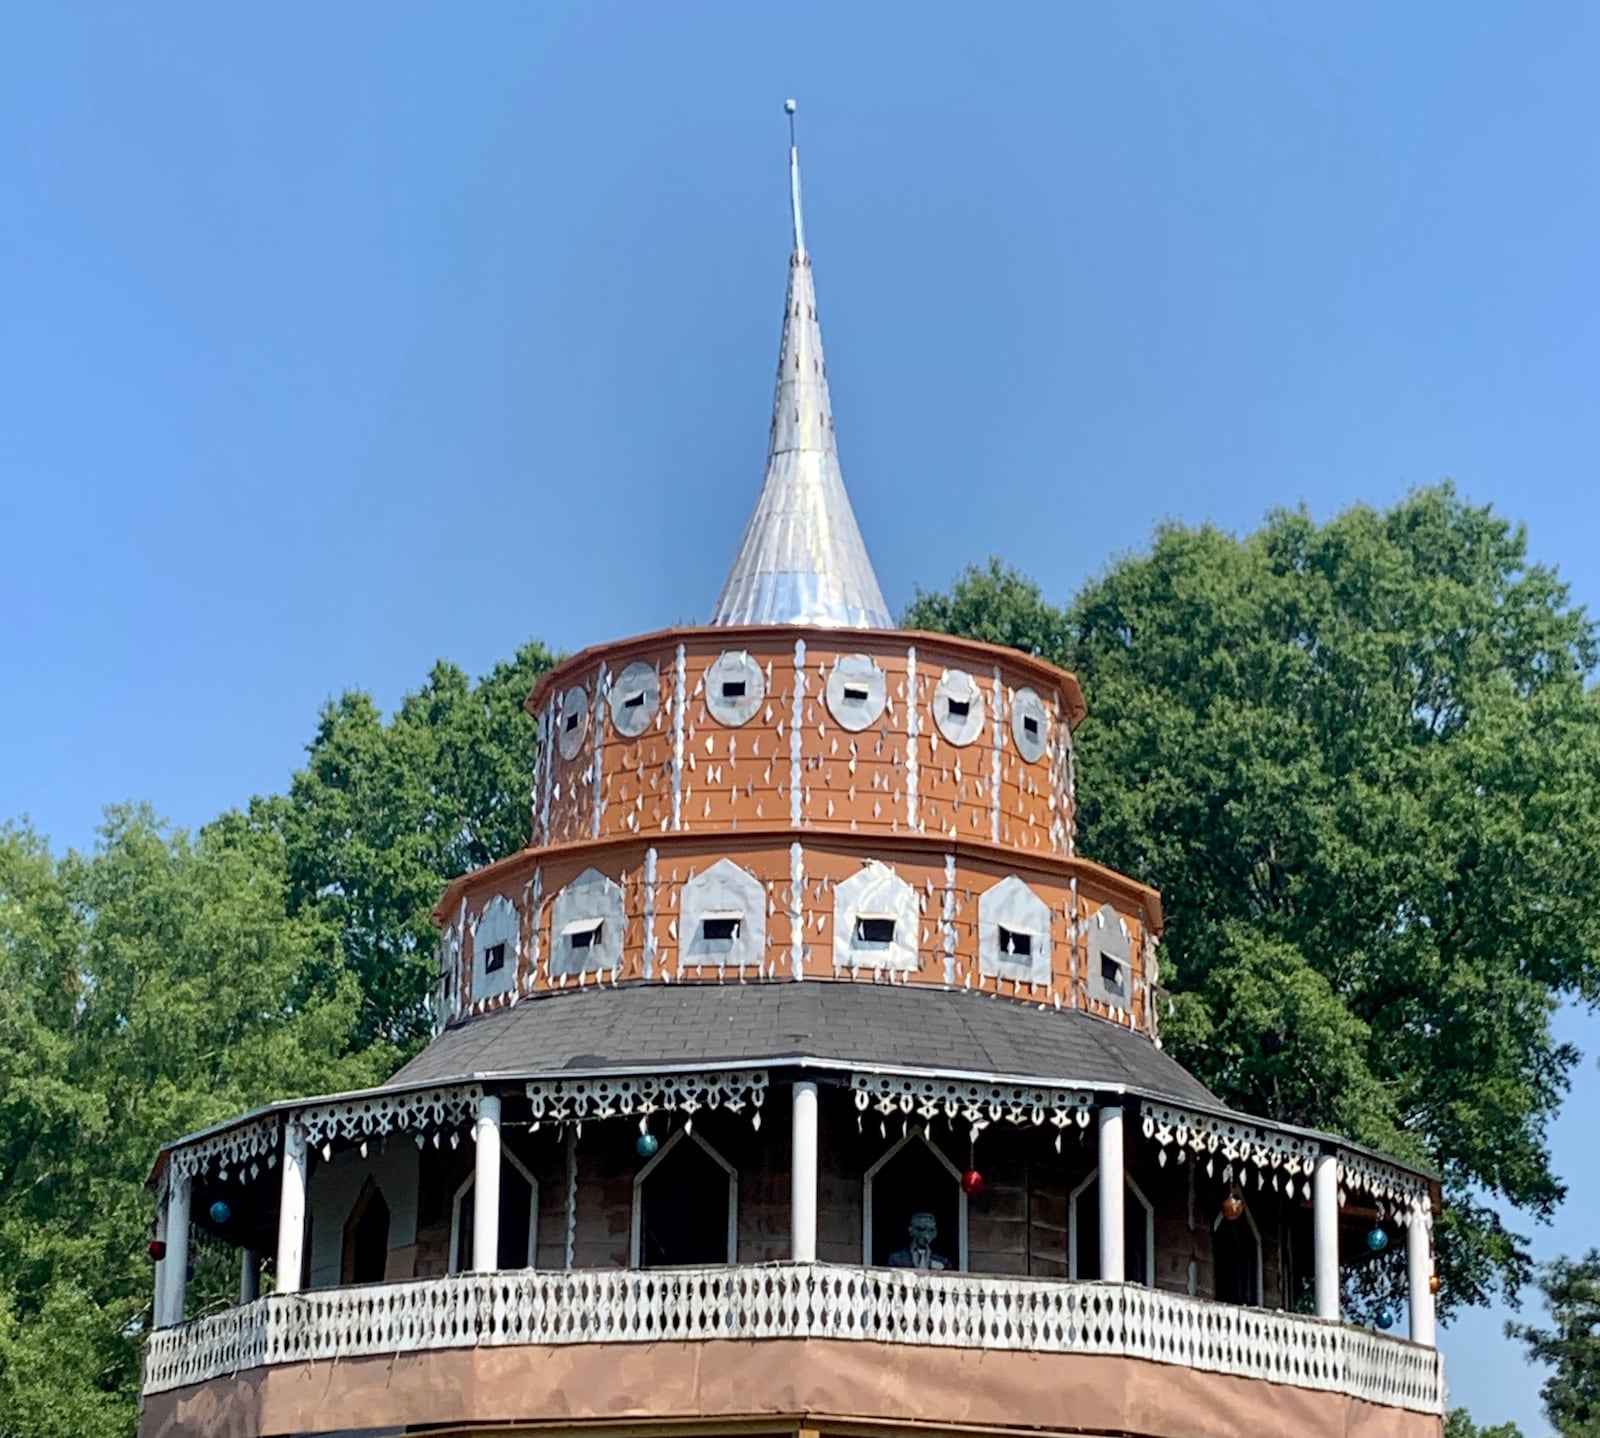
x=799 y=1076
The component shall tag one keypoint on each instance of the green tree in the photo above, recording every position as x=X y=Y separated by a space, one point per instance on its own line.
x=1357 y=758
x=384 y=815
x=151 y=988
x=1458 y=1424
x=1571 y=1292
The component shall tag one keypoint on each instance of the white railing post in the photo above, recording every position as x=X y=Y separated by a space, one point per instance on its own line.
x=1325 y=1233
x=1419 y=1272
x=1112 y=1184
x=486 y=1186
x=158 y=1309
x=292 y=1208
x=803 y=1174
x=175 y=1275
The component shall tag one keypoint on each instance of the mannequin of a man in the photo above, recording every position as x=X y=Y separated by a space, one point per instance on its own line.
x=918 y=1252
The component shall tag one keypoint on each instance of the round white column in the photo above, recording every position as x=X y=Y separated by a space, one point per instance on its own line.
x=803 y=1174
x=1419 y=1273
x=158 y=1301
x=1325 y=1233
x=175 y=1285
x=1112 y=1186
x=292 y=1208
x=486 y=1186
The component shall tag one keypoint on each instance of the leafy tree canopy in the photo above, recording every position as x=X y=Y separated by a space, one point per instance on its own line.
x=1358 y=759
x=1571 y=1345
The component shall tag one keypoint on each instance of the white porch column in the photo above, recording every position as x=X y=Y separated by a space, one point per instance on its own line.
x=1419 y=1273
x=292 y=1208
x=1325 y=1233
x=175 y=1275
x=158 y=1301
x=1112 y=1186
x=803 y=1175
x=249 y=1275
x=486 y=1186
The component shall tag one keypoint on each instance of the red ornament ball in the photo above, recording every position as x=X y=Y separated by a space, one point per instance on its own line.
x=158 y=1249
x=971 y=1181
x=1233 y=1205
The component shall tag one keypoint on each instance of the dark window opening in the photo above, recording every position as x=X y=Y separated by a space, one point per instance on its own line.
x=494 y=958
x=733 y=689
x=1014 y=941
x=1235 y=1255
x=572 y=719
x=683 y=1209
x=912 y=1182
x=722 y=928
x=634 y=701
x=367 y=1240
x=874 y=930
x=1134 y=1268
x=855 y=694
x=1111 y=973
x=1030 y=726
x=958 y=708
x=586 y=938
x=516 y=1221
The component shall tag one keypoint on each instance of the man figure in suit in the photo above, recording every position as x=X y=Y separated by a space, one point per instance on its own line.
x=918 y=1253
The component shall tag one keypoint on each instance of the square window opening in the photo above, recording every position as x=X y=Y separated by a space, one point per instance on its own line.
x=634 y=700
x=1016 y=942
x=855 y=694
x=958 y=708
x=586 y=937
x=1030 y=726
x=572 y=719
x=494 y=958
x=733 y=688
x=1111 y=974
x=720 y=928
x=874 y=931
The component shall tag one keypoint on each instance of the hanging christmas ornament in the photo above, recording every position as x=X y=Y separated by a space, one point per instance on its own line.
x=1233 y=1204
x=646 y=1145
x=1377 y=1240
x=157 y=1249
x=220 y=1213
x=1386 y=1318
x=1433 y=1283
x=971 y=1182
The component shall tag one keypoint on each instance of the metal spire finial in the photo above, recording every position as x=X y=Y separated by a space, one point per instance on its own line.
x=794 y=182
x=801 y=560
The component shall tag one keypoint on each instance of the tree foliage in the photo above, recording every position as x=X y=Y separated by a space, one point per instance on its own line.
x=1355 y=757
x=384 y=815
x=151 y=988
x=1458 y=1424
x=1570 y=1289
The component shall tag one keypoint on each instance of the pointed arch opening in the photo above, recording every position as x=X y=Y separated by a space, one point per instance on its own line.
x=519 y=1218
x=364 y=1252
x=685 y=1206
x=1138 y=1232
x=912 y=1183
x=1236 y=1259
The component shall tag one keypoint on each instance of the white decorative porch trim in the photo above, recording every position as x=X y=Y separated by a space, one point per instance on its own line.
x=1278 y=1159
x=978 y=1104
x=240 y=1152
x=420 y=1112
x=1390 y=1187
x=778 y=1301
x=578 y=1100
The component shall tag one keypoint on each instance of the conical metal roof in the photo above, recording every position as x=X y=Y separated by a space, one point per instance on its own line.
x=802 y=559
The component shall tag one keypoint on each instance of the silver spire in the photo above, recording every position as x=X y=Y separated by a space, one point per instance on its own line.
x=802 y=560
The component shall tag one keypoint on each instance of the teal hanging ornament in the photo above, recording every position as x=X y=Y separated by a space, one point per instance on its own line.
x=220 y=1213
x=1386 y=1318
x=646 y=1145
x=1377 y=1240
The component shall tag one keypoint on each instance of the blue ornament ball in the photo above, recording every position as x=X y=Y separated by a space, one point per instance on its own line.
x=1386 y=1318
x=647 y=1144
x=1377 y=1240
x=220 y=1212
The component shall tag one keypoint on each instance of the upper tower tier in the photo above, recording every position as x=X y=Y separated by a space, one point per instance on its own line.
x=802 y=559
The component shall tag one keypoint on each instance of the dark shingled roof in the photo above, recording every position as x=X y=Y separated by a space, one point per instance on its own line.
x=895 y=1027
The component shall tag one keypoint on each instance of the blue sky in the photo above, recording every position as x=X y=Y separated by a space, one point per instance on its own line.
x=334 y=339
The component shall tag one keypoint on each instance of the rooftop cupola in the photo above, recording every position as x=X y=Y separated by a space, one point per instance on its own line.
x=802 y=559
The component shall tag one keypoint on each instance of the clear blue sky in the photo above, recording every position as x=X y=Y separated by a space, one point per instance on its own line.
x=334 y=339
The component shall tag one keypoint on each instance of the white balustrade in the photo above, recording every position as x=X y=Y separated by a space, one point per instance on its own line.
x=797 y=1300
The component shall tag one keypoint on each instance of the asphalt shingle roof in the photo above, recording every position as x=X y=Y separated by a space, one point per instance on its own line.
x=895 y=1027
